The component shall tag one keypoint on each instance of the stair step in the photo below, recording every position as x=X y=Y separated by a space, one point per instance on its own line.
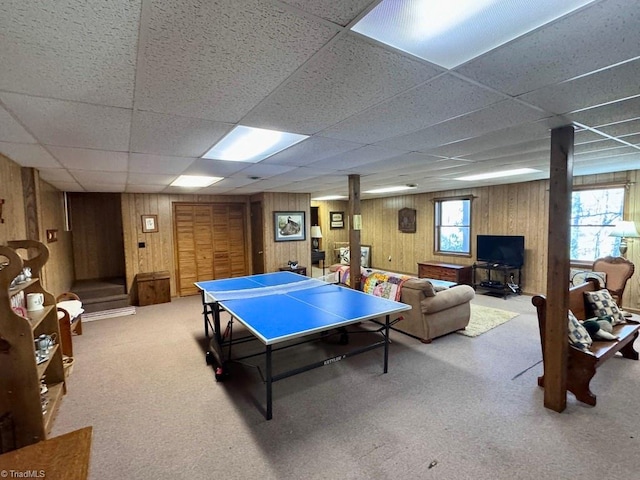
x=101 y=287
x=105 y=303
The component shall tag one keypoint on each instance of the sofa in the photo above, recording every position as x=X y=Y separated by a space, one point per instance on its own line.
x=435 y=310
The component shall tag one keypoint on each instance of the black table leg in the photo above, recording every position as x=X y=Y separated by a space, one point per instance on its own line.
x=269 y=381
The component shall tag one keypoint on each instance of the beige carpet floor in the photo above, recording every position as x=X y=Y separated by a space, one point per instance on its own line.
x=470 y=405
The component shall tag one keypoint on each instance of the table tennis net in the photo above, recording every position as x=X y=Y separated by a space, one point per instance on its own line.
x=220 y=296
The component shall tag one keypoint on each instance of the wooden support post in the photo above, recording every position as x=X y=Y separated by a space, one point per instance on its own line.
x=355 y=224
x=556 y=331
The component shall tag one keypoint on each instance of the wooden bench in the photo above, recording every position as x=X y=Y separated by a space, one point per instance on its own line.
x=582 y=364
x=68 y=325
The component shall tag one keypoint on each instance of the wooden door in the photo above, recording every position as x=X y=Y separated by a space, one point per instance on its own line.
x=210 y=243
x=257 y=237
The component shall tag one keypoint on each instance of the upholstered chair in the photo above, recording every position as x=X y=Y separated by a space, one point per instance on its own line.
x=618 y=270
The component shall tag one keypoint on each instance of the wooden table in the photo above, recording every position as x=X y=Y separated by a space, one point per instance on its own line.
x=446 y=271
x=64 y=457
x=299 y=269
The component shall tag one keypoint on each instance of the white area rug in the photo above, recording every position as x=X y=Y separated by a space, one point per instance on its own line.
x=484 y=319
x=115 y=312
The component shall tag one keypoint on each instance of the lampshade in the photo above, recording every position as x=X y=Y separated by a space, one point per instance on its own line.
x=624 y=230
x=316 y=232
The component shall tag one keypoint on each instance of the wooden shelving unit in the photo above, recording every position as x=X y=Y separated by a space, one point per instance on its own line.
x=22 y=421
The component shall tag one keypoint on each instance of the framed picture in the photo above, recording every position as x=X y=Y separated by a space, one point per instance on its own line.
x=289 y=226
x=407 y=220
x=336 y=220
x=149 y=223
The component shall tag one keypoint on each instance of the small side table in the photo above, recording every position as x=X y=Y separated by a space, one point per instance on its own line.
x=299 y=269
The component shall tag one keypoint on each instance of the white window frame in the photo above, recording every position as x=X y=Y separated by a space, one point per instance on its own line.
x=439 y=226
x=594 y=240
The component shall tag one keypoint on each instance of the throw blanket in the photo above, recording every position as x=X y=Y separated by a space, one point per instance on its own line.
x=385 y=285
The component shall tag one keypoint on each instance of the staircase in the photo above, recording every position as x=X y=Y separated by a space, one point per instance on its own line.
x=101 y=294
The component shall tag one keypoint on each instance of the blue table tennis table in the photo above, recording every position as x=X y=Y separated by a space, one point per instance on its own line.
x=281 y=307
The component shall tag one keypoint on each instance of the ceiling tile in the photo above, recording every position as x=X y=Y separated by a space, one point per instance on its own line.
x=598 y=88
x=622 y=128
x=513 y=135
x=489 y=119
x=215 y=168
x=354 y=158
x=265 y=170
x=27 y=155
x=150 y=179
x=606 y=114
x=202 y=59
x=100 y=178
x=55 y=175
x=338 y=11
x=161 y=164
x=67 y=186
x=72 y=124
x=71 y=49
x=319 y=95
x=577 y=44
x=311 y=150
x=84 y=159
x=173 y=135
x=12 y=131
x=438 y=100
x=142 y=188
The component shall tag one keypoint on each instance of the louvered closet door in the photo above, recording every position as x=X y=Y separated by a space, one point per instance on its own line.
x=210 y=243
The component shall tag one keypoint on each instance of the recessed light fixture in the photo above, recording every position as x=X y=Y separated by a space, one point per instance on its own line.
x=398 y=188
x=249 y=144
x=503 y=173
x=451 y=33
x=330 y=197
x=194 y=181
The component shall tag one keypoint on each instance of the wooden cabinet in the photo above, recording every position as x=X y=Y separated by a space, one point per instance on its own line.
x=446 y=271
x=153 y=287
x=26 y=410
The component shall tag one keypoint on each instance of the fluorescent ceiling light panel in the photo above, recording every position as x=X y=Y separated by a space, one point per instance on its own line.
x=194 y=181
x=249 y=144
x=504 y=173
x=330 y=197
x=399 y=188
x=450 y=33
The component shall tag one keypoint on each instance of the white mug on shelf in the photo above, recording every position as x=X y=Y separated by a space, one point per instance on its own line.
x=35 y=301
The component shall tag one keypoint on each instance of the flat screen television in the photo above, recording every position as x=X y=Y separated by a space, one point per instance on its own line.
x=502 y=249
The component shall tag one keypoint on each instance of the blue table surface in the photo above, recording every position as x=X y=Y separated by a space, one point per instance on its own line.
x=277 y=317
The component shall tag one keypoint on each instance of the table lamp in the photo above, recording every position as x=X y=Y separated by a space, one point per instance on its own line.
x=316 y=234
x=624 y=230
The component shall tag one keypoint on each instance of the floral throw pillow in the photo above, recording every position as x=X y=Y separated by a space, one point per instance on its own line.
x=604 y=306
x=578 y=335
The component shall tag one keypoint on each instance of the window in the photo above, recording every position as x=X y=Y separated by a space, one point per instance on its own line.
x=594 y=212
x=453 y=225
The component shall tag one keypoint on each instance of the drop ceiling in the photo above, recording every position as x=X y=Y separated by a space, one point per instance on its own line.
x=126 y=95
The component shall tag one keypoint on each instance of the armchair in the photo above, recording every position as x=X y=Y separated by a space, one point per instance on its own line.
x=618 y=270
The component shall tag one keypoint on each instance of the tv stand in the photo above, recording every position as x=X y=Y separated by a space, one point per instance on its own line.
x=498 y=278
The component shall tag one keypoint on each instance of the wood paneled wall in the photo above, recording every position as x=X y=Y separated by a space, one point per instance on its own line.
x=57 y=274
x=158 y=252
x=330 y=237
x=14 y=225
x=277 y=254
x=515 y=209
x=96 y=224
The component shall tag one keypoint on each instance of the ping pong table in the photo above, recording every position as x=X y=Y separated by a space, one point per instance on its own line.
x=281 y=307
